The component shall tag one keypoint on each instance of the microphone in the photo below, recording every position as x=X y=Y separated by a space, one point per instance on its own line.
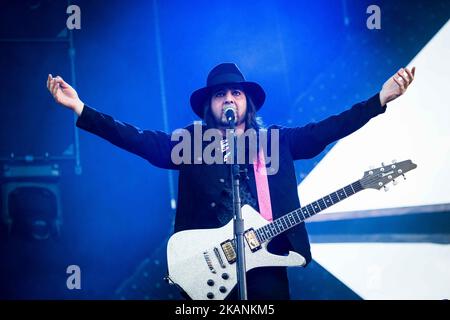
x=230 y=113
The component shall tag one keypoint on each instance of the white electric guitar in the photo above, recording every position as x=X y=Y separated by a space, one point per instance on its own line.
x=202 y=262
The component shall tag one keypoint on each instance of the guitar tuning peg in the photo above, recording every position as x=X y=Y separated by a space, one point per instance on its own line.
x=382 y=164
x=404 y=178
x=394 y=182
x=394 y=161
x=386 y=188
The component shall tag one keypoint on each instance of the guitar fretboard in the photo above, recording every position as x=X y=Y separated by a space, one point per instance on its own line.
x=296 y=217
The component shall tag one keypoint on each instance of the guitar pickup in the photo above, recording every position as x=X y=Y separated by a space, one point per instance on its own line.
x=228 y=250
x=252 y=240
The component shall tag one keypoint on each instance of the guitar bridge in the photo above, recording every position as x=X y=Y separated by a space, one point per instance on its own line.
x=219 y=258
x=228 y=250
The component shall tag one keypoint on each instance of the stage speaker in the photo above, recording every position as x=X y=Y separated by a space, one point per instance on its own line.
x=31 y=202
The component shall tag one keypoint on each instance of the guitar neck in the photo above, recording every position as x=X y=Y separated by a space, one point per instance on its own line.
x=297 y=216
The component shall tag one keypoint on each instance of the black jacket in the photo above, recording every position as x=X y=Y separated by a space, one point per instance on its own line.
x=200 y=186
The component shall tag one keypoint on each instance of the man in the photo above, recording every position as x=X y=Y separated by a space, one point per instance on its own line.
x=204 y=190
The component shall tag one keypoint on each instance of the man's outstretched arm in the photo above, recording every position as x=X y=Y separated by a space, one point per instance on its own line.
x=154 y=146
x=308 y=141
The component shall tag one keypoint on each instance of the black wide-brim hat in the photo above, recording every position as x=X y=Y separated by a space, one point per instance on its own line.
x=226 y=74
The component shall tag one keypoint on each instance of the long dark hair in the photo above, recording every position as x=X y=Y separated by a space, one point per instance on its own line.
x=252 y=120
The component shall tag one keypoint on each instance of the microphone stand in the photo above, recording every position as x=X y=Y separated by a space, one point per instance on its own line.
x=238 y=222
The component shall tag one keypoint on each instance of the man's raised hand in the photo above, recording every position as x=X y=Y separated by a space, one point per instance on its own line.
x=64 y=94
x=396 y=85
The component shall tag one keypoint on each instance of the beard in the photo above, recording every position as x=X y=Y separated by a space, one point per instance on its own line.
x=223 y=122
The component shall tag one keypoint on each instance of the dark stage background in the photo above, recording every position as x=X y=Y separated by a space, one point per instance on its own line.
x=139 y=61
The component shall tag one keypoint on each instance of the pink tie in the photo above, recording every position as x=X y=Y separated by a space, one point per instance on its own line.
x=262 y=186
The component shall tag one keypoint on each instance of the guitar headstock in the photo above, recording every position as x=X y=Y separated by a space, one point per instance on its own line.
x=379 y=177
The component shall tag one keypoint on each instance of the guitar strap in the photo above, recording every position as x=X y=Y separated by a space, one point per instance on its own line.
x=262 y=183
x=262 y=186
